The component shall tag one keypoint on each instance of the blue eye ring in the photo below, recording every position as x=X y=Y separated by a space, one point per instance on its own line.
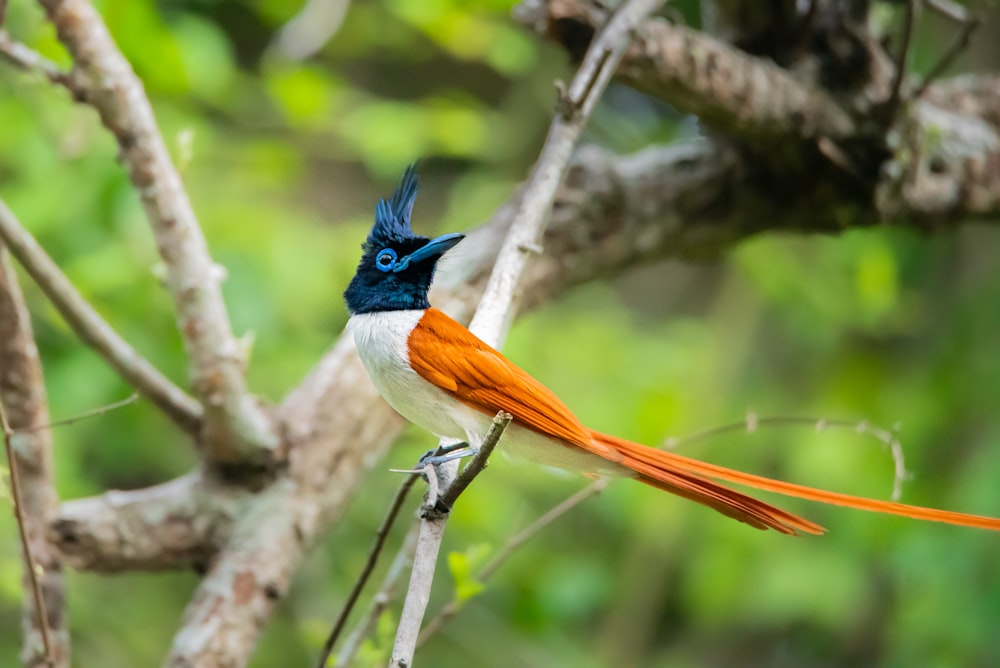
x=386 y=260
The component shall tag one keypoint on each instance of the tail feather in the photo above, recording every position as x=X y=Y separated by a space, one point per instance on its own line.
x=695 y=480
x=727 y=501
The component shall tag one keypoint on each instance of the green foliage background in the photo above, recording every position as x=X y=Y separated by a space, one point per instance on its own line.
x=284 y=161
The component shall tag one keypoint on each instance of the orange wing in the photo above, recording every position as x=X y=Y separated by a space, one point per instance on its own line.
x=445 y=353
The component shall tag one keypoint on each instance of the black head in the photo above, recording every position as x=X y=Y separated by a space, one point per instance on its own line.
x=396 y=266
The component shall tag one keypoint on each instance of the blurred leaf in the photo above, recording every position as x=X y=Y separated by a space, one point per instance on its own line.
x=206 y=54
x=304 y=95
x=463 y=567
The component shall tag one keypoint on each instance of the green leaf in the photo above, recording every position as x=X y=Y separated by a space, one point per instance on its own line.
x=463 y=565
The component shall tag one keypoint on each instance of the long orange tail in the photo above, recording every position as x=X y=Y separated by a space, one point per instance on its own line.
x=695 y=480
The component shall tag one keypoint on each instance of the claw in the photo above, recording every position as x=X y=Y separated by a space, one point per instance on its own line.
x=449 y=453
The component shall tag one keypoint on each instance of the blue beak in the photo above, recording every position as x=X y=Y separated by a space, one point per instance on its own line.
x=434 y=248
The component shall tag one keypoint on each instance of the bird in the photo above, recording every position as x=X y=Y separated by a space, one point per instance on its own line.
x=438 y=375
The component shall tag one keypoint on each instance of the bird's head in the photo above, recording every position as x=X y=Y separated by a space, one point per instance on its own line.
x=396 y=266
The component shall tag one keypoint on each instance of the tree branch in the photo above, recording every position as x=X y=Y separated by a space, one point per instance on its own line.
x=235 y=428
x=497 y=305
x=94 y=330
x=513 y=544
x=177 y=525
x=336 y=429
x=23 y=404
x=381 y=600
x=945 y=166
x=29 y=60
x=727 y=88
x=936 y=162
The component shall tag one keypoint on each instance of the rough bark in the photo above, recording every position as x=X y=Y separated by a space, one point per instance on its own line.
x=814 y=121
x=22 y=393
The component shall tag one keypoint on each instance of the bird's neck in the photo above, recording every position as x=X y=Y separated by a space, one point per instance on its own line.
x=362 y=298
x=380 y=335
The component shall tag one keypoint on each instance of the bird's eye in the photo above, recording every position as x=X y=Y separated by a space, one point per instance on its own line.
x=385 y=260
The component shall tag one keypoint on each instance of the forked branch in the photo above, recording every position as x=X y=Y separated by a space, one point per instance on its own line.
x=235 y=428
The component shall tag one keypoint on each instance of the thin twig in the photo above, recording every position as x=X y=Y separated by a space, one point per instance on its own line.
x=512 y=545
x=958 y=45
x=29 y=561
x=752 y=422
x=598 y=66
x=380 y=535
x=94 y=330
x=27 y=59
x=94 y=412
x=909 y=18
x=433 y=517
x=380 y=601
x=477 y=464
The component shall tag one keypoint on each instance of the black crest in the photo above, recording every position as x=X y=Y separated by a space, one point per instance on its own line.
x=392 y=217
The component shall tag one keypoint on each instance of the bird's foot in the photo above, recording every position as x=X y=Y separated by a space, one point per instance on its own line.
x=446 y=453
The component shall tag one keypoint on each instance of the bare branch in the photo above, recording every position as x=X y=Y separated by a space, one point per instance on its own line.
x=513 y=544
x=958 y=45
x=94 y=330
x=942 y=161
x=86 y=415
x=418 y=593
x=31 y=61
x=752 y=422
x=497 y=304
x=701 y=75
x=909 y=19
x=477 y=465
x=337 y=430
x=29 y=459
x=235 y=428
x=433 y=517
x=176 y=525
x=381 y=600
